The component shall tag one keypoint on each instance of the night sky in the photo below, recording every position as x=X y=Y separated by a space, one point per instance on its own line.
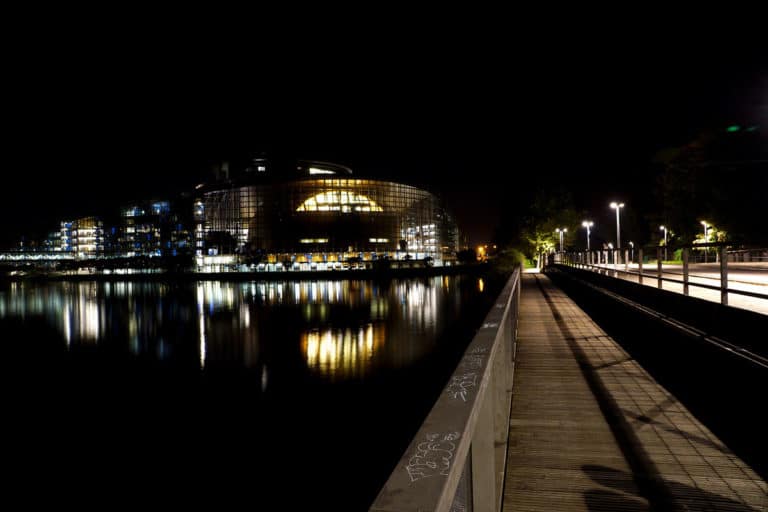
x=95 y=115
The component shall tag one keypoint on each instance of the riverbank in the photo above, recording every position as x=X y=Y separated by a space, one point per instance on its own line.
x=298 y=275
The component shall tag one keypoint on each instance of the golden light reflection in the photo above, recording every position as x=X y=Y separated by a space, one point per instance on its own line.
x=80 y=314
x=342 y=353
x=221 y=322
x=480 y=285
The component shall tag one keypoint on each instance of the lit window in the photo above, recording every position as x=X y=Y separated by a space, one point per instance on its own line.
x=160 y=207
x=314 y=241
x=339 y=200
x=378 y=240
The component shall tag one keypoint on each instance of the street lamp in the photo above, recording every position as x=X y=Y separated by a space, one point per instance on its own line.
x=631 y=251
x=704 y=223
x=587 y=224
x=561 y=231
x=666 y=256
x=617 y=206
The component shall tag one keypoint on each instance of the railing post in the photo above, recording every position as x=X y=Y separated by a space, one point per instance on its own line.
x=640 y=265
x=626 y=260
x=686 y=253
x=658 y=266
x=484 y=460
x=723 y=275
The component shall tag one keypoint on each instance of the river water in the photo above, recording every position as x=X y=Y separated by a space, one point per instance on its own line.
x=271 y=395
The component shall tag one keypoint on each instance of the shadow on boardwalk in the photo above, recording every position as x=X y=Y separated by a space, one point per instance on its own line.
x=622 y=498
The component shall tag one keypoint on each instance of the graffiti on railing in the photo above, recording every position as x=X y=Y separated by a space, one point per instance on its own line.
x=472 y=362
x=433 y=456
x=459 y=386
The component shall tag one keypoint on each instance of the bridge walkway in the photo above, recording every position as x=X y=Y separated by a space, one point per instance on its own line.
x=591 y=430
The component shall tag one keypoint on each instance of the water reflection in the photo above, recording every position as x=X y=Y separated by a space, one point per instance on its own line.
x=331 y=329
x=342 y=352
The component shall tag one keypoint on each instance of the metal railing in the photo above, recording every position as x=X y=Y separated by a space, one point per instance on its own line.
x=457 y=459
x=618 y=263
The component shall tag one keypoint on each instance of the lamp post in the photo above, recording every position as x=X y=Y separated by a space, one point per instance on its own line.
x=666 y=256
x=631 y=251
x=561 y=231
x=617 y=206
x=704 y=223
x=587 y=224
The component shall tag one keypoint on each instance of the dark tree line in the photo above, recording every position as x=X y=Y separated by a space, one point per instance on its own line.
x=718 y=177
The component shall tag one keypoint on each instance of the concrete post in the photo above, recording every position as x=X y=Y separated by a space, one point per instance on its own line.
x=483 y=459
x=626 y=260
x=723 y=250
x=686 y=252
x=658 y=266
x=640 y=265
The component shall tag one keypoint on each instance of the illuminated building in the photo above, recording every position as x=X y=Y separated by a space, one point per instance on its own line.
x=315 y=215
x=52 y=242
x=151 y=229
x=83 y=238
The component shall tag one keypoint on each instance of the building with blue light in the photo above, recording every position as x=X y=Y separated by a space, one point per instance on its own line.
x=152 y=228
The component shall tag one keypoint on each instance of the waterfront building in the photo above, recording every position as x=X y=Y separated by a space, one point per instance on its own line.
x=152 y=228
x=307 y=215
x=83 y=238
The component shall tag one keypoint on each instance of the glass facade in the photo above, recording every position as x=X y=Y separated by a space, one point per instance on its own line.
x=151 y=229
x=320 y=221
x=84 y=238
x=273 y=215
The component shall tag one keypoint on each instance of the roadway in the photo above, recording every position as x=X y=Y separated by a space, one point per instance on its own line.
x=751 y=277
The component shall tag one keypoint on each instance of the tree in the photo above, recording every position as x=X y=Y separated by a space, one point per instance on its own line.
x=531 y=229
x=720 y=177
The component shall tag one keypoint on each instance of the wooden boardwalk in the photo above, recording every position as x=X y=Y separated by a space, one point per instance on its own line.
x=591 y=430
